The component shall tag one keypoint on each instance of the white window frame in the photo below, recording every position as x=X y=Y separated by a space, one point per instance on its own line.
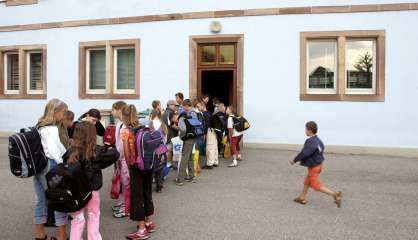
x=28 y=65
x=6 y=91
x=316 y=90
x=115 y=71
x=360 y=91
x=95 y=91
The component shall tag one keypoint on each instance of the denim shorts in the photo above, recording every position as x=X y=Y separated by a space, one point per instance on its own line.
x=41 y=203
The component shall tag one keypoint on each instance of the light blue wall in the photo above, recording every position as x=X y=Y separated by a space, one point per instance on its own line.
x=271 y=75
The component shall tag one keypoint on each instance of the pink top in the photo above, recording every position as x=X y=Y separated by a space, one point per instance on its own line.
x=119 y=142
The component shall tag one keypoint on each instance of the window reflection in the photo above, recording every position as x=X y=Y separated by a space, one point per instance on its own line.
x=322 y=67
x=227 y=54
x=359 y=61
x=208 y=56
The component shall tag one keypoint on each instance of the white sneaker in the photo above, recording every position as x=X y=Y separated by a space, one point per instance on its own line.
x=118 y=206
x=239 y=158
x=234 y=164
x=120 y=214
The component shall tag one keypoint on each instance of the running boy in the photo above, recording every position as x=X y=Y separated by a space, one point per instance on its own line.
x=312 y=156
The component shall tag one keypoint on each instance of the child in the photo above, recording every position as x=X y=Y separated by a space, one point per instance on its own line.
x=84 y=152
x=119 y=210
x=67 y=123
x=158 y=126
x=189 y=142
x=142 y=207
x=234 y=137
x=312 y=156
x=48 y=126
x=156 y=105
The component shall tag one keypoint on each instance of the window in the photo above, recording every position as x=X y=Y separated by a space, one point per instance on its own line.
x=23 y=71
x=322 y=66
x=342 y=66
x=360 y=70
x=109 y=69
x=217 y=55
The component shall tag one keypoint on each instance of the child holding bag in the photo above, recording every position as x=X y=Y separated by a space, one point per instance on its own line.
x=93 y=161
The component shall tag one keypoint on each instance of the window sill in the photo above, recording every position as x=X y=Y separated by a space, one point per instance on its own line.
x=21 y=96
x=109 y=96
x=342 y=97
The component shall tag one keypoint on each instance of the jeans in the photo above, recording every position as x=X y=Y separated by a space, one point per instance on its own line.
x=93 y=220
x=41 y=203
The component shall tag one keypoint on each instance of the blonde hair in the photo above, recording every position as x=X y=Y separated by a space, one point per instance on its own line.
x=130 y=116
x=52 y=107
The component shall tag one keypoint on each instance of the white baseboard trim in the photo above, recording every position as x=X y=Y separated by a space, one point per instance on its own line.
x=356 y=150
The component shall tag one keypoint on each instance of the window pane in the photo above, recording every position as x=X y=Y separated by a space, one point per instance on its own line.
x=97 y=69
x=360 y=64
x=208 y=55
x=35 y=71
x=12 y=72
x=126 y=68
x=227 y=54
x=322 y=64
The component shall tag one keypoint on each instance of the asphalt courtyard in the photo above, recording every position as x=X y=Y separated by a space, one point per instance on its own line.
x=254 y=201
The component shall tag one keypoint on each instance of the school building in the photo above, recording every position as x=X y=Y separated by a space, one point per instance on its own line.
x=352 y=66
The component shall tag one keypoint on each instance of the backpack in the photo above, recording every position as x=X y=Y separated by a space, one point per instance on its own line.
x=109 y=137
x=240 y=124
x=69 y=189
x=194 y=126
x=26 y=154
x=151 y=149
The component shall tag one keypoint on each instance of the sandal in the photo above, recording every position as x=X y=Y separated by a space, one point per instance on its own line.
x=338 y=199
x=301 y=201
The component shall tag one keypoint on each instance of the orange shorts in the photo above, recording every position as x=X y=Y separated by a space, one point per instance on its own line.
x=312 y=179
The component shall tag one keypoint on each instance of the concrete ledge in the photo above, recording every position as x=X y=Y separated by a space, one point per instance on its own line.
x=355 y=150
x=5 y=135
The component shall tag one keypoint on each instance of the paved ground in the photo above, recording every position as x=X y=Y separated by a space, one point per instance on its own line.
x=254 y=201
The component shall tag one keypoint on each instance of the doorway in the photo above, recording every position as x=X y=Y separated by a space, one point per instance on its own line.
x=218 y=84
x=216 y=68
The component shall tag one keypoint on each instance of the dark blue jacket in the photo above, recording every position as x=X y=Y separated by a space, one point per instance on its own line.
x=312 y=153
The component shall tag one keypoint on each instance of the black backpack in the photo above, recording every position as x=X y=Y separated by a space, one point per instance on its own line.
x=69 y=189
x=26 y=153
x=240 y=124
x=194 y=126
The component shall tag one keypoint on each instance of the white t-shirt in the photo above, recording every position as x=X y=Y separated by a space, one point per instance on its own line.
x=51 y=143
x=231 y=125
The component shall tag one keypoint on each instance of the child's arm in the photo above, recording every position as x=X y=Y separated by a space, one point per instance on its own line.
x=308 y=149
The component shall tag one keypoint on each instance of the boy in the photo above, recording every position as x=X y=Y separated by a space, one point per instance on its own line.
x=312 y=156
x=219 y=124
x=179 y=100
x=188 y=144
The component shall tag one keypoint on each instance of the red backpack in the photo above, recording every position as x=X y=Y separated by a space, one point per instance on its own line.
x=110 y=135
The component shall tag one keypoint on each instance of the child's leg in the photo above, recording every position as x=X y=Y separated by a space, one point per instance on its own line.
x=77 y=225
x=304 y=192
x=93 y=221
x=126 y=185
x=327 y=191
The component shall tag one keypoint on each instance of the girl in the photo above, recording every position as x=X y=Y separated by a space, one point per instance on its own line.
x=234 y=137
x=142 y=207
x=121 y=209
x=157 y=124
x=54 y=150
x=84 y=152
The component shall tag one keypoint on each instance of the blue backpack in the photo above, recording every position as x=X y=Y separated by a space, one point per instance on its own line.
x=194 y=126
x=151 y=150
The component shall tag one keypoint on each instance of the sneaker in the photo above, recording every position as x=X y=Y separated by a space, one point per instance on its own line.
x=138 y=235
x=234 y=164
x=150 y=227
x=178 y=183
x=239 y=157
x=193 y=180
x=159 y=189
x=117 y=207
x=120 y=214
